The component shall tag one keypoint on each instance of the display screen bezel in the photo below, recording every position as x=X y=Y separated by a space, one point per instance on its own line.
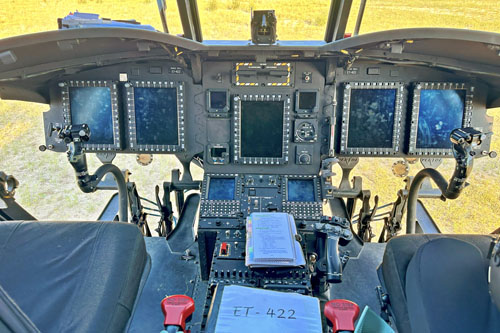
x=180 y=91
x=397 y=125
x=66 y=110
x=466 y=117
x=238 y=158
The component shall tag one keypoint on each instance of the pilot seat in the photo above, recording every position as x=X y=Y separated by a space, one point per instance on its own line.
x=439 y=283
x=72 y=276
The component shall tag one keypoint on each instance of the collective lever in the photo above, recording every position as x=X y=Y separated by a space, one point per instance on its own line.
x=334 y=228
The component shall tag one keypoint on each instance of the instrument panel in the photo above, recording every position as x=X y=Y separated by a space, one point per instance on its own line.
x=246 y=116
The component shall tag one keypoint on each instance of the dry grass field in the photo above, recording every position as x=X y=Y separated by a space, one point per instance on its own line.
x=48 y=187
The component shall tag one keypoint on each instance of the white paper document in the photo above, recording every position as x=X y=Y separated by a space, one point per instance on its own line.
x=271 y=241
x=250 y=310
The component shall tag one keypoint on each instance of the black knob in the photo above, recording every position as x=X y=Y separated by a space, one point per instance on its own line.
x=305 y=159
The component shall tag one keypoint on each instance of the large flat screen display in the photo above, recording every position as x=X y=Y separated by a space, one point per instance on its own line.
x=300 y=190
x=439 y=113
x=371 y=118
x=156 y=117
x=262 y=129
x=221 y=189
x=92 y=106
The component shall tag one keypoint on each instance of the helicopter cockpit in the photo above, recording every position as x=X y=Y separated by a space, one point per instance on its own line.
x=266 y=240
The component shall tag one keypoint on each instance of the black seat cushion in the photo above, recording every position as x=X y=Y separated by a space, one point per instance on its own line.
x=397 y=256
x=72 y=276
x=447 y=289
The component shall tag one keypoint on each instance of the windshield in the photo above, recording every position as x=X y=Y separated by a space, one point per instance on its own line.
x=399 y=14
x=230 y=19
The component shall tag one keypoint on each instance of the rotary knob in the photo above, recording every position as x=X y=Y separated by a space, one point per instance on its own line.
x=305 y=159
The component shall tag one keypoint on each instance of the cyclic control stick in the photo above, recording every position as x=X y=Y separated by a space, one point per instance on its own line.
x=464 y=141
x=74 y=136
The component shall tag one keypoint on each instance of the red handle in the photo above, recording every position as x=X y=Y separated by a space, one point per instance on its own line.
x=342 y=313
x=177 y=309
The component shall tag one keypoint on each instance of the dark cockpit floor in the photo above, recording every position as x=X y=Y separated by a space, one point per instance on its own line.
x=360 y=279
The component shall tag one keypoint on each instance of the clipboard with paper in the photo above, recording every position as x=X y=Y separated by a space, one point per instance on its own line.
x=271 y=241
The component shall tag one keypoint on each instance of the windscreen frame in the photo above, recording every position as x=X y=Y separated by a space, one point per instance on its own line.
x=67 y=117
x=397 y=125
x=466 y=116
x=286 y=99
x=180 y=92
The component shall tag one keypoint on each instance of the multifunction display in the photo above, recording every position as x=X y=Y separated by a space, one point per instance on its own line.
x=438 y=109
x=262 y=129
x=221 y=189
x=371 y=118
x=156 y=116
x=301 y=190
x=93 y=103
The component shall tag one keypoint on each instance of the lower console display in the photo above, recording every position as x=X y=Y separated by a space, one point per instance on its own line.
x=220 y=196
x=221 y=189
x=237 y=196
x=301 y=190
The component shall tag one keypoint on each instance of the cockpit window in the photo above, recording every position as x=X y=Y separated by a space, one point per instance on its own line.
x=306 y=20
x=383 y=15
x=296 y=19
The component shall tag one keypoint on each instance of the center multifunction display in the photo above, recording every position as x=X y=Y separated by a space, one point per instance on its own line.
x=261 y=129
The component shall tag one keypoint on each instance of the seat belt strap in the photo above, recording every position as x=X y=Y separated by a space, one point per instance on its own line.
x=13 y=317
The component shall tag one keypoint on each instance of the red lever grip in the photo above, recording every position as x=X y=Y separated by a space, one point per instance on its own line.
x=342 y=313
x=177 y=309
